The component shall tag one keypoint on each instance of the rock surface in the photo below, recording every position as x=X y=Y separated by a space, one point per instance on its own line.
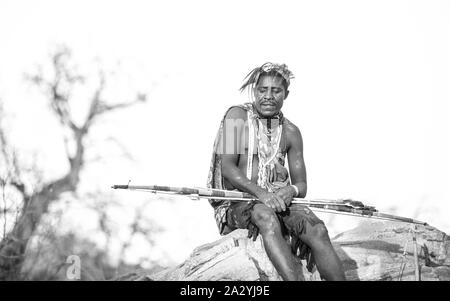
x=371 y=251
x=385 y=251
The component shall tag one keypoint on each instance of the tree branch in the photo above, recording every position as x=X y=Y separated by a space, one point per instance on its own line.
x=58 y=89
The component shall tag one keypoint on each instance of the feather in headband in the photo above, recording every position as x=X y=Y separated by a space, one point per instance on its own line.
x=252 y=78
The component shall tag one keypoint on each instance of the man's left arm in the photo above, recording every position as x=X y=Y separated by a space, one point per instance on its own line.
x=297 y=168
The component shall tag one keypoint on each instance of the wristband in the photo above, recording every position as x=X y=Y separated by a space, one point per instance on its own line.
x=296 y=190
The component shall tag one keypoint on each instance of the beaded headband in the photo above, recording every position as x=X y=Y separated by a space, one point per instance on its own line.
x=252 y=78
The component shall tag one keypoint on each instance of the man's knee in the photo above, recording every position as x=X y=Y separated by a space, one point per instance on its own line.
x=265 y=218
x=319 y=232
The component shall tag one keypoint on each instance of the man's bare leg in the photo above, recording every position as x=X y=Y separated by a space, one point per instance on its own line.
x=275 y=245
x=327 y=261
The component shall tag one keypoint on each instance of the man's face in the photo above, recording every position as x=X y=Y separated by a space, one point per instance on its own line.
x=269 y=95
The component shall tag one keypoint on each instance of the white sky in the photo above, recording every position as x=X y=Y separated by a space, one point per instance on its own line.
x=370 y=95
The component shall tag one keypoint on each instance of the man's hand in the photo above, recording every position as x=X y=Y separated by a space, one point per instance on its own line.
x=286 y=194
x=272 y=200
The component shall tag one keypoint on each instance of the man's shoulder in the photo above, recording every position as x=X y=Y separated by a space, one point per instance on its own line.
x=290 y=126
x=237 y=112
x=293 y=135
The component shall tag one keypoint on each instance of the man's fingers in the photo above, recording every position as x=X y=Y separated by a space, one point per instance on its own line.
x=288 y=202
x=283 y=199
x=271 y=205
x=280 y=202
x=276 y=204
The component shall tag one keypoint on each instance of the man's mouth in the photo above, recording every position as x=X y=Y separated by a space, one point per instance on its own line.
x=270 y=105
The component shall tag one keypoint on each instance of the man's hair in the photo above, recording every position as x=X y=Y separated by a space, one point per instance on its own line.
x=269 y=69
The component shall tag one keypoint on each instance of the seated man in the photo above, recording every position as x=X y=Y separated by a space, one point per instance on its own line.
x=249 y=155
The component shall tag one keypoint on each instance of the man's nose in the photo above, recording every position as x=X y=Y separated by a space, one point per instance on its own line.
x=268 y=94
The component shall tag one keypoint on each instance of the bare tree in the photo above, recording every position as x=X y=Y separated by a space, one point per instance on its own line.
x=58 y=89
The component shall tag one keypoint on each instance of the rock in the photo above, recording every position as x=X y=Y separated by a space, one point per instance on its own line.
x=371 y=251
x=234 y=257
x=376 y=251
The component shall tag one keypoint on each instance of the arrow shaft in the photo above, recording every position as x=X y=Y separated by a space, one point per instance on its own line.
x=216 y=193
x=328 y=206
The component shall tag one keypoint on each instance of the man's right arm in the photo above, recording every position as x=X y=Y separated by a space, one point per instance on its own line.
x=235 y=176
